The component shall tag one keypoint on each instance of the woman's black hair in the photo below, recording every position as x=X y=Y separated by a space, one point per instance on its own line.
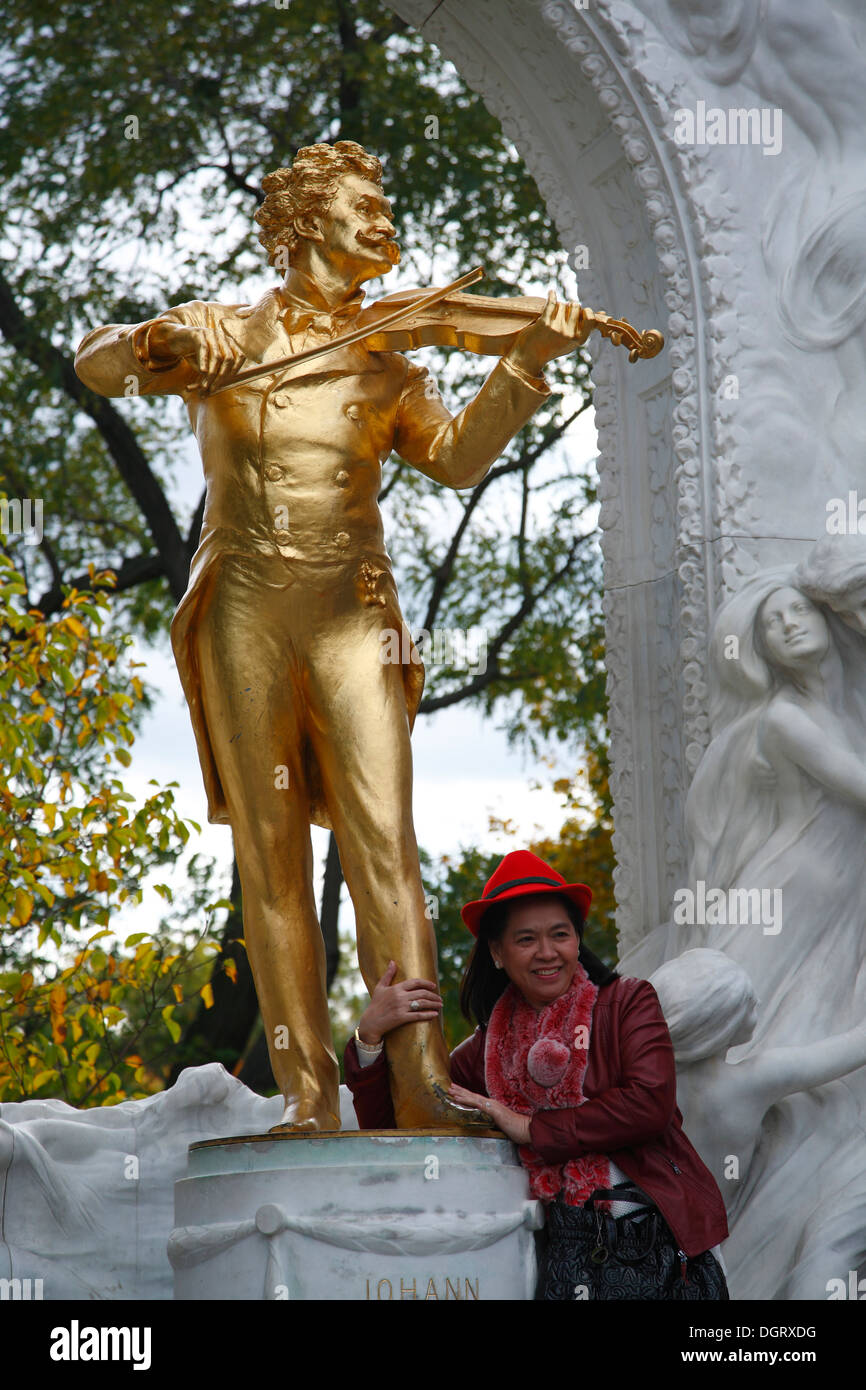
x=483 y=984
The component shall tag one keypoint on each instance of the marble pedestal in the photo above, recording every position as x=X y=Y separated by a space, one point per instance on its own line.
x=364 y=1215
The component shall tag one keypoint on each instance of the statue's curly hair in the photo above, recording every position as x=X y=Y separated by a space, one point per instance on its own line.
x=308 y=187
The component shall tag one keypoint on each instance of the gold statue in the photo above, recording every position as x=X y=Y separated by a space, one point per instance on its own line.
x=278 y=639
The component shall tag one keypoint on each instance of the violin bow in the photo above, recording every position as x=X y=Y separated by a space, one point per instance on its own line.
x=357 y=335
x=646 y=344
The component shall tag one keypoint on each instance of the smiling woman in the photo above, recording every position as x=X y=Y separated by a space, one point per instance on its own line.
x=575 y=1065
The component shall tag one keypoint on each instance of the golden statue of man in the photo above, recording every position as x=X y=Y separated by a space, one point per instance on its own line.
x=279 y=637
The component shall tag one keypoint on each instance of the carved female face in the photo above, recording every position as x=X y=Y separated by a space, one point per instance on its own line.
x=793 y=631
x=851 y=608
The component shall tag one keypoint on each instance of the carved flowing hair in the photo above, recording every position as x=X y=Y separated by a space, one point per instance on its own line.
x=307 y=189
x=834 y=569
x=705 y=997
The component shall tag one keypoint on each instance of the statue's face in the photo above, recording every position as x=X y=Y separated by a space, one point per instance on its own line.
x=359 y=233
x=793 y=629
x=853 y=614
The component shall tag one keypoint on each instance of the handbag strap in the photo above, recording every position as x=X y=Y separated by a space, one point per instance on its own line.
x=623 y=1192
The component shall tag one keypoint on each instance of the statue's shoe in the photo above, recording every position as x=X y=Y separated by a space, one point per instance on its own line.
x=430 y=1107
x=299 y=1119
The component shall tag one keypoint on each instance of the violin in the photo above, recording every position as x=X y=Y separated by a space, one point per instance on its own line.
x=446 y=317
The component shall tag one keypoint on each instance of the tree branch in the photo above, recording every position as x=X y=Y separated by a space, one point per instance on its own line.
x=493 y=672
x=122 y=445
x=194 y=531
x=525 y=460
x=132 y=572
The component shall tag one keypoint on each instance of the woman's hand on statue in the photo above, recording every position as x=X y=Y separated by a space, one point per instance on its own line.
x=555 y=333
x=390 y=1006
x=217 y=358
x=515 y=1126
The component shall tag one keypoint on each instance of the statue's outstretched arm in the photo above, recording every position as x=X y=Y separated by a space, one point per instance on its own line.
x=123 y=359
x=458 y=450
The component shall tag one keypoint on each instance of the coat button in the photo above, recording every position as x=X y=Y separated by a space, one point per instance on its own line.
x=353 y=412
x=341 y=539
x=273 y=474
x=282 y=537
x=342 y=478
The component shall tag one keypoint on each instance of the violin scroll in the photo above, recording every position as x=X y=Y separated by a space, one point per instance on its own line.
x=649 y=343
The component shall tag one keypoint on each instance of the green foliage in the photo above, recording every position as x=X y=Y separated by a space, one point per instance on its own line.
x=82 y=1031
x=75 y=848
x=73 y=842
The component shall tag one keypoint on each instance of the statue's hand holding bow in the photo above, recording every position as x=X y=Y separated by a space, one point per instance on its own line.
x=216 y=356
x=560 y=329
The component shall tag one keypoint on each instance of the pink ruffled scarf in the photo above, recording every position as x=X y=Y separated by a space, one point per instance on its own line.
x=537 y=1061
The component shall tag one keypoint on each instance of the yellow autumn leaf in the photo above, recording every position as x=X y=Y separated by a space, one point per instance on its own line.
x=41 y=1077
x=206 y=993
x=171 y=1023
x=23 y=906
x=24 y=986
x=56 y=1007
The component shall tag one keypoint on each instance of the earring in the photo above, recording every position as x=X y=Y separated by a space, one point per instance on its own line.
x=498 y=964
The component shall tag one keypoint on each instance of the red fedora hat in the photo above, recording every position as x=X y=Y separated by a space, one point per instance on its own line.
x=522 y=875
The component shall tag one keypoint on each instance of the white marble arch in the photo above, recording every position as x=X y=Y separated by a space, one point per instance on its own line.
x=719 y=456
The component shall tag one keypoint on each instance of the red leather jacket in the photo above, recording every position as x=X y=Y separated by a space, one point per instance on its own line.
x=630 y=1112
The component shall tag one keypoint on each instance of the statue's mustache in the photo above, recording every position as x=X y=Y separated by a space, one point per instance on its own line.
x=386 y=240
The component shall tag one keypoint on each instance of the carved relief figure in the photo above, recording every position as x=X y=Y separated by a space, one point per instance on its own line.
x=776 y=816
x=710 y=1006
x=779 y=802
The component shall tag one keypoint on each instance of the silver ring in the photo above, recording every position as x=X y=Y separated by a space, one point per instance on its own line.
x=415 y=1005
